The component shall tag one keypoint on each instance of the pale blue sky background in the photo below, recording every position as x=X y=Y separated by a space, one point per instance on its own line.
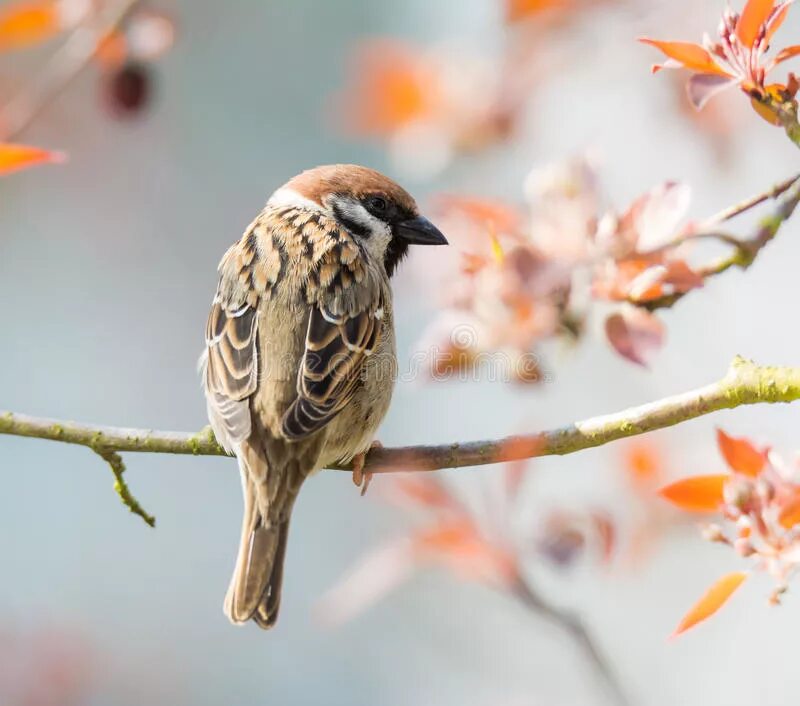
x=107 y=268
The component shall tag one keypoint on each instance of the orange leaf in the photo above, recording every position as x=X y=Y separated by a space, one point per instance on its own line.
x=711 y=602
x=643 y=463
x=696 y=493
x=754 y=14
x=691 y=56
x=517 y=10
x=459 y=546
x=27 y=23
x=787 y=53
x=489 y=212
x=741 y=455
x=391 y=85
x=14 y=157
x=422 y=490
x=449 y=537
x=790 y=514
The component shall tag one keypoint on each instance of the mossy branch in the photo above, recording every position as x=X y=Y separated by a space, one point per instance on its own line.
x=745 y=383
x=114 y=460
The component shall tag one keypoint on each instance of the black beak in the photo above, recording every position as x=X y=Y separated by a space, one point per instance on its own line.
x=420 y=231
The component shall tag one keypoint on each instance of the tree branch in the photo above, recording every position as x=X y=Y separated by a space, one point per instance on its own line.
x=575 y=629
x=745 y=383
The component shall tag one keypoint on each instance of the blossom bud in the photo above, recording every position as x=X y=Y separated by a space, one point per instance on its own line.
x=775 y=596
x=128 y=90
x=738 y=493
x=713 y=533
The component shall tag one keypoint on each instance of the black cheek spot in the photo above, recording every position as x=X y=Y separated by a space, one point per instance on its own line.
x=349 y=224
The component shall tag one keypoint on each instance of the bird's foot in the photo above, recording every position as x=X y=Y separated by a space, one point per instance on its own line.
x=360 y=478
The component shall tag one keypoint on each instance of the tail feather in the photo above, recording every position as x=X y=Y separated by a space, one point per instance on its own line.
x=255 y=588
x=267 y=610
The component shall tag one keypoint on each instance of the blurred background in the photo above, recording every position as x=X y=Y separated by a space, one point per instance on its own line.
x=107 y=269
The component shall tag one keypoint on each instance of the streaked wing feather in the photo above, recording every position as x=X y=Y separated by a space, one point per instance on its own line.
x=336 y=348
x=231 y=371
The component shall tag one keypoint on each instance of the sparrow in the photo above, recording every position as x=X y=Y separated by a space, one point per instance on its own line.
x=300 y=358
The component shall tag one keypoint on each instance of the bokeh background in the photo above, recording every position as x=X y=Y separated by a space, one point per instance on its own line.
x=107 y=268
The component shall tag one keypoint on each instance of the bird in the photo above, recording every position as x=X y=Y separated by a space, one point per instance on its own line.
x=300 y=360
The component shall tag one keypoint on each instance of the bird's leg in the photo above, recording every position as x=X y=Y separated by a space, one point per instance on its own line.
x=361 y=479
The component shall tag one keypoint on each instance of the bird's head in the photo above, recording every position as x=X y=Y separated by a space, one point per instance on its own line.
x=369 y=205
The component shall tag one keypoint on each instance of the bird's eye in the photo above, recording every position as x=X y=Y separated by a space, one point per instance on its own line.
x=377 y=204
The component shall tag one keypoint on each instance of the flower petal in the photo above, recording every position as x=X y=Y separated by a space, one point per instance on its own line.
x=606 y=534
x=149 y=34
x=713 y=599
x=15 y=157
x=741 y=455
x=662 y=210
x=635 y=334
x=696 y=493
x=702 y=87
x=754 y=14
x=689 y=55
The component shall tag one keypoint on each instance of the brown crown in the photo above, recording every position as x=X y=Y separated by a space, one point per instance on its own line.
x=352 y=179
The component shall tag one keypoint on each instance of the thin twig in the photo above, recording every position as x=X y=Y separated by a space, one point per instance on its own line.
x=744 y=251
x=570 y=623
x=727 y=214
x=745 y=383
x=114 y=460
x=61 y=70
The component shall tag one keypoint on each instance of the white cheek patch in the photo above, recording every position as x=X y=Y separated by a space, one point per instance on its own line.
x=354 y=211
x=376 y=234
x=290 y=197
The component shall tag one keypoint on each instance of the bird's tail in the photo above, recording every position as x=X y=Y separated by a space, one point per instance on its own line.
x=255 y=589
